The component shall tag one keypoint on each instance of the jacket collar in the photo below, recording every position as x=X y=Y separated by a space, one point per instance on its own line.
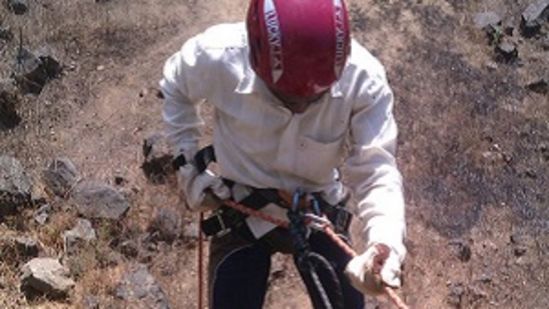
x=250 y=83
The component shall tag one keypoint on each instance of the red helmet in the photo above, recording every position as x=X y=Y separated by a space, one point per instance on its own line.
x=298 y=47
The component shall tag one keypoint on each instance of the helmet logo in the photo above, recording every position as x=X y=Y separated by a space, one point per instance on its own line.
x=275 y=39
x=340 y=34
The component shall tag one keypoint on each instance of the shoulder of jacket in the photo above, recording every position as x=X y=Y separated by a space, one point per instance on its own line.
x=223 y=36
x=361 y=61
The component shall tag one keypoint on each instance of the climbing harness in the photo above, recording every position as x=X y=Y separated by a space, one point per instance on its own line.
x=300 y=222
x=390 y=292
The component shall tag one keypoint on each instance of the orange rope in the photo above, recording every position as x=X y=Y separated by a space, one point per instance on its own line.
x=391 y=294
x=200 y=262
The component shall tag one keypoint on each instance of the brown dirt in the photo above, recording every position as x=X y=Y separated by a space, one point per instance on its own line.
x=473 y=144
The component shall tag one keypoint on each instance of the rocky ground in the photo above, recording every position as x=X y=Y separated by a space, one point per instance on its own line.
x=89 y=215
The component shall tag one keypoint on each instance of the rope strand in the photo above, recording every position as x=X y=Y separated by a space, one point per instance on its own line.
x=390 y=293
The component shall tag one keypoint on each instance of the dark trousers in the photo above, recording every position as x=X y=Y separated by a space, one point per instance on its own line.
x=239 y=269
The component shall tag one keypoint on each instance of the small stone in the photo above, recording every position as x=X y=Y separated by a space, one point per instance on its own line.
x=530 y=173
x=6 y=34
x=27 y=246
x=533 y=17
x=158 y=159
x=100 y=68
x=520 y=251
x=91 y=302
x=45 y=276
x=540 y=86
x=545 y=42
x=508 y=27
x=41 y=215
x=119 y=180
x=60 y=176
x=491 y=65
x=485 y=19
x=507 y=52
x=15 y=186
x=129 y=248
x=457 y=290
x=462 y=250
x=35 y=71
x=143 y=93
x=18 y=7
x=9 y=118
x=140 y=288
x=83 y=232
x=100 y=201
x=485 y=278
x=166 y=226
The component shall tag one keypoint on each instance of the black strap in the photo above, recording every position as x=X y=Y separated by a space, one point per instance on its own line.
x=179 y=161
x=204 y=157
x=229 y=218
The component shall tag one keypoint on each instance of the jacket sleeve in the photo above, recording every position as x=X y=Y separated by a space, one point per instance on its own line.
x=185 y=75
x=371 y=168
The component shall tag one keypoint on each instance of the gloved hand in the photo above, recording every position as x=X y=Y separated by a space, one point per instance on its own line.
x=379 y=265
x=195 y=186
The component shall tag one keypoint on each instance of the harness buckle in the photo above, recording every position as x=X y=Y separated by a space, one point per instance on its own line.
x=224 y=229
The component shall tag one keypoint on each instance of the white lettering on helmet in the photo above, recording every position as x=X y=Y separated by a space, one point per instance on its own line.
x=340 y=36
x=275 y=39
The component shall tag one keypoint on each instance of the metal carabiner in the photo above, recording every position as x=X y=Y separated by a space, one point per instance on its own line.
x=295 y=200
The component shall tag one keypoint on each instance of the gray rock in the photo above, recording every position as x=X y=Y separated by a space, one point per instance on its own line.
x=491 y=65
x=140 y=287
x=9 y=118
x=545 y=42
x=485 y=19
x=166 y=225
x=157 y=164
x=461 y=249
x=540 y=86
x=45 y=276
x=91 y=302
x=129 y=248
x=60 y=176
x=27 y=246
x=41 y=215
x=83 y=232
x=15 y=186
x=507 y=52
x=18 y=7
x=5 y=34
x=456 y=294
x=508 y=27
x=100 y=201
x=34 y=71
x=533 y=17
x=520 y=251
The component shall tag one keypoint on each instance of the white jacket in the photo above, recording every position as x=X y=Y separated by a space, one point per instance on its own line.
x=260 y=143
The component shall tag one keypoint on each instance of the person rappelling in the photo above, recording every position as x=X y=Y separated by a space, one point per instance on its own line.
x=299 y=107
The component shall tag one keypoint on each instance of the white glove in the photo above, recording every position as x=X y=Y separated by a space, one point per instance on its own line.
x=377 y=266
x=195 y=186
